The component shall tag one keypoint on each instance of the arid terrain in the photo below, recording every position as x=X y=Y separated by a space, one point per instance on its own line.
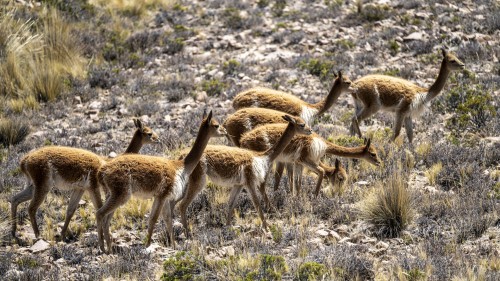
x=75 y=73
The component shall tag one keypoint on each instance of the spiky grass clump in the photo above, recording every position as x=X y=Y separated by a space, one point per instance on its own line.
x=13 y=131
x=388 y=208
x=36 y=56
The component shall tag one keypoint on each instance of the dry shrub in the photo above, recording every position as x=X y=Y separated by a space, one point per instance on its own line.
x=13 y=131
x=388 y=208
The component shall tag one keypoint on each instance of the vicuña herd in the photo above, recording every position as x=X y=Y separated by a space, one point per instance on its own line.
x=268 y=126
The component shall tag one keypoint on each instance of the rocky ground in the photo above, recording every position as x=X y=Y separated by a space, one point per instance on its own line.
x=170 y=62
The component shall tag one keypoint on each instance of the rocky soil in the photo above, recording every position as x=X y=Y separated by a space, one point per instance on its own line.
x=229 y=46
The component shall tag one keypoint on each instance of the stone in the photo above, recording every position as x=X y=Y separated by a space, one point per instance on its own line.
x=414 y=36
x=40 y=246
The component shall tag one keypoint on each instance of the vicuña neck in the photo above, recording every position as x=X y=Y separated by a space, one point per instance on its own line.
x=438 y=85
x=136 y=143
x=282 y=143
x=194 y=155
x=342 y=151
x=330 y=99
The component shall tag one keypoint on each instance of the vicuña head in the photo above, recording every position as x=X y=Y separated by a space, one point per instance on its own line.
x=337 y=176
x=149 y=176
x=407 y=100
x=66 y=168
x=239 y=168
x=277 y=100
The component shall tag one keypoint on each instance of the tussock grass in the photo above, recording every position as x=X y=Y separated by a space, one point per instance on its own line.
x=388 y=208
x=433 y=172
x=36 y=56
x=13 y=131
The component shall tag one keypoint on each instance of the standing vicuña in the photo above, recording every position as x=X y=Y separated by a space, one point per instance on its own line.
x=66 y=168
x=277 y=100
x=239 y=168
x=303 y=150
x=150 y=176
x=407 y=100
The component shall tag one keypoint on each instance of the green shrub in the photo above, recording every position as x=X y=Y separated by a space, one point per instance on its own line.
x=232 y=18
x=181 y=267
x=310 y=271
x=389 y=208
x=322 y=69
x=373 y=12
x=278 y=8
x=277 y=233
x=262 y=3
x=271 y=268
x=394 y=46
x=13 y=131
x=213 y=87
x=174 y=45
x=231 y=67
x=471 y=107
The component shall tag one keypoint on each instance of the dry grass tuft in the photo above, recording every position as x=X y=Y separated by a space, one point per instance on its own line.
x=36 y=56
x=13 y=131
x=388 y=208
x=433 y=172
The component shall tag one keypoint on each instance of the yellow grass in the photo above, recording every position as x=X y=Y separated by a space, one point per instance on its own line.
x=433 y=172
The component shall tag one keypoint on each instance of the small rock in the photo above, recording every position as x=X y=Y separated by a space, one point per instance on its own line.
x=322 y=232
x=77 y=99
x=230 y=251
x=40 y=246
x=362 y=183
x=414 y=36
x=201 y=96
x=95 y=105
x=112 y=154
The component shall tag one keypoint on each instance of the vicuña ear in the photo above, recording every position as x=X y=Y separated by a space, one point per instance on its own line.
x=367 y=145
x=444 y=51
x=337 y=164
x=288 y=118
x=209 y=117
x=138 y=124
x=340 y=74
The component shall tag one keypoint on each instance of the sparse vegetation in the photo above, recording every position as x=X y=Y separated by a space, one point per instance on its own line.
x=74 y=72
x=321 y=68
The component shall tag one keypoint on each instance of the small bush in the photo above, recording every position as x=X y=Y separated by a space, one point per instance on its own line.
x=232 y=18
x=271 y=268
x=181 y=267
x=13 y=131
x=372 y=12
x=278 y=8
x=310 y=271
x=174 y=45
x=213 y=87
x=388 y=208
x=317 y=67
x=471 y=105
x=231 y=67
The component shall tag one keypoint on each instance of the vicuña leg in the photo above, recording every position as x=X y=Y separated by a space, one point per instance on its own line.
x=256 y=203
x=76 y=195
x=235 y=191
x=320 y=172
x=167 y=218
x=398 y=123
x=23 y=196
x=112 y=203
x=280 y=167
x=409 y=128
x=365 y=112
x=158 y=204
x=39 y=194
x=195 y=185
